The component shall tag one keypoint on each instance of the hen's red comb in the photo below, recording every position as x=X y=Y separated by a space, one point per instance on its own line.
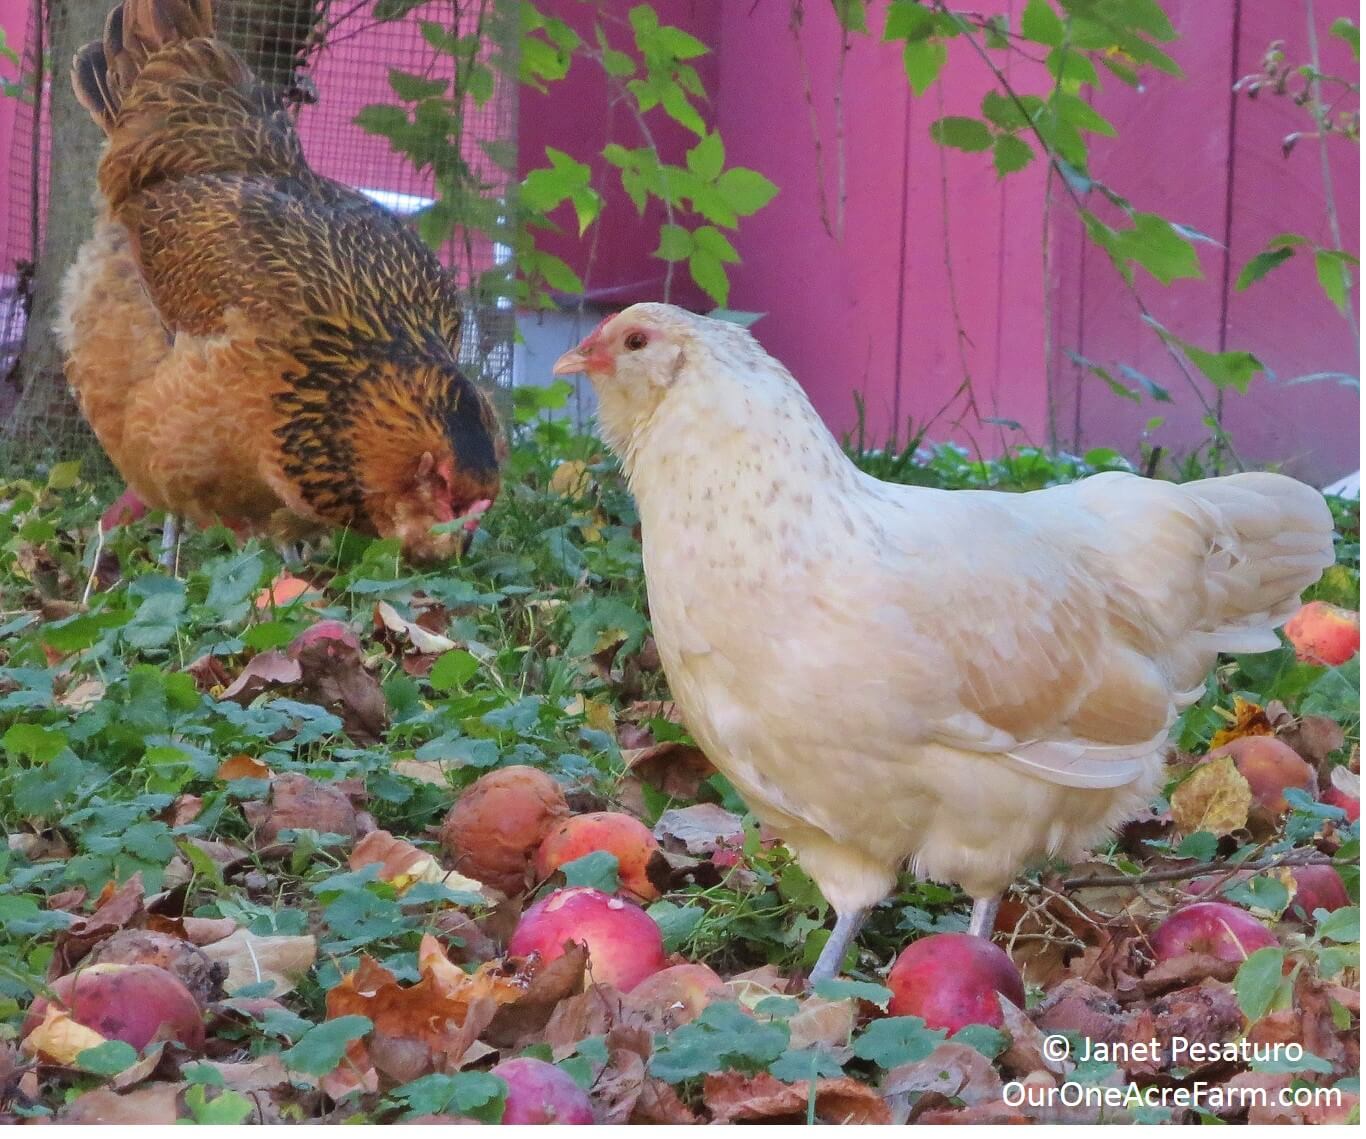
x=598 y=327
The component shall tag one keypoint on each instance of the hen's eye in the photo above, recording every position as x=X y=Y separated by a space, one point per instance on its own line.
x=635 y=341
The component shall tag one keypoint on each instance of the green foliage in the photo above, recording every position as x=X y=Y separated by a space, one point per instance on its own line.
x=648 y=65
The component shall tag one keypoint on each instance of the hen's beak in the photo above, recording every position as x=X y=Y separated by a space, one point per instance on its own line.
x=571 y=363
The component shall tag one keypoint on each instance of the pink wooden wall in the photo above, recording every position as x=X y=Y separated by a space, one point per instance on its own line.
x=871 y=309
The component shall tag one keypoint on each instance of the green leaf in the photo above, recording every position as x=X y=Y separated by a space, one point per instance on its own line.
x=709 y=273
x=107 y=1059
x=1007 y=113
x=1071 y=68
x=1225 y=369
x=716 y=243
x=598 y=869
x=1263 y=892
x=1262 y=264
x=1331 y=267
x=961 y=133
x=412 y=88
x=724 y=1036
x=226 y=1109
x=1345 y=30
x=708 y=157
x=796 y=1065
x=990 y=1042
x=852 y=15
x=34 y=743
x=557 y=274
x=1010 y=154
x=479 y=1095
x=679 y=43
x=1041 y=24
x=676 y=922
x=746 y=191
x=63 y=476
x=924 y=60
x=1200 y=846
x=452 y=670
x=1155 y=244
x=676 y=105
x=1258 y=981
x=1080 y=114
x=675 y=243
x=897 y=1040
x=1342 y=925
x=838 y=990
x=322 y=1047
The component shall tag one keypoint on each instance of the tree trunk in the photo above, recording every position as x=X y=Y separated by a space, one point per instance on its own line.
x=46 y=413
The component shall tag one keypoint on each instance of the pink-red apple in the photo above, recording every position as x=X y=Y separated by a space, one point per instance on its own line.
x=624 y=943
x=1324 y=634
x=951 y=980
x=1215 y=929
x=1318 y=887
x=610 y=831
x=132 y=1003
x=541 y=1093
x=1270 y=768
x=497 y=825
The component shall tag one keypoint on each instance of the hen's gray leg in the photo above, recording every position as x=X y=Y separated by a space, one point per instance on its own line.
x=828 y=964
x=170 y=538
x=984 y=916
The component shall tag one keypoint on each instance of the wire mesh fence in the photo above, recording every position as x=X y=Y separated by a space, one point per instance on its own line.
x=328 y=59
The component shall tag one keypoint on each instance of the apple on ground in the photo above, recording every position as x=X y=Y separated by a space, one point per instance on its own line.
x=1270 y=767
x=951 y=980
x=499 y=822
x=616 y=833
x=1324 y=634
x=133 y=1003
x=624 y=942
x=1214 y=929
x=1318 y=887
x=541 y=1093
x=680 y=991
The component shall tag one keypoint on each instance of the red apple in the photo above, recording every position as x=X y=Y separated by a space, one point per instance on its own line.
x=680 y=991
x=132 y=1003
x=542 y=1093
x=624 y=943
x=611 y=831
x=128 y=507
x=1344 y=791
x=1215 y=929
x=1324 y=634
x=497 y=825
x=950 y=980
x=1270 y=768
x=1318 y=887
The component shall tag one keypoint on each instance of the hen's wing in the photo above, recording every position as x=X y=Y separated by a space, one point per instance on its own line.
x=1068 y=627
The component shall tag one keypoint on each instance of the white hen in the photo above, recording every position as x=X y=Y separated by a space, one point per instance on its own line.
x=960 y=681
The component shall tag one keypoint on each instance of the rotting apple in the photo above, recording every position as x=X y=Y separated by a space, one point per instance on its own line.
x=497 y=825
x=1324 y=634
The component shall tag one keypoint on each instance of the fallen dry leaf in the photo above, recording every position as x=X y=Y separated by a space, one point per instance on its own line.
x=1214 y=797
x=424 y=641
x=59 y=1039
x=281 y=960
x=242 y=767
x=263 y=672
x=703 y=828
x=81 y=696
x=954 y=1071
x=150 y=1106
x=403 y=865
x=733 y=1098
x=116 y=909
x=1248 y=719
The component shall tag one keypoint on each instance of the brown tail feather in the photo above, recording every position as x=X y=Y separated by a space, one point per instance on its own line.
x=103 y=71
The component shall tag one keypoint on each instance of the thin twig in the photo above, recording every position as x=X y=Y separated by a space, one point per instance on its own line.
x=794 y=24
x=1326 y=169
x=1178 y=874
x=1129 y=286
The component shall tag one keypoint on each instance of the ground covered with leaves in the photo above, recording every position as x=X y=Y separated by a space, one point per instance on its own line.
x=324 y=800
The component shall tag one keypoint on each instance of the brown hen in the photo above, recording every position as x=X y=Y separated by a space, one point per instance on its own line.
x=253 y=343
